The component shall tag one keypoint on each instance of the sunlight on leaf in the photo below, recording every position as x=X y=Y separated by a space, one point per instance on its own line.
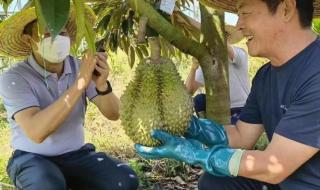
x=316 y=26
x=84 y=27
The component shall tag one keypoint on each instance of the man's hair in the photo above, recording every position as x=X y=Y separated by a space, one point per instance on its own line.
x=305 y=10
x=28 y=28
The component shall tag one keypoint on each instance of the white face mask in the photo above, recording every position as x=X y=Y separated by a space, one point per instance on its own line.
x=54 y=51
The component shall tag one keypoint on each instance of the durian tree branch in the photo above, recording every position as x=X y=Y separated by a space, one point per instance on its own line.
x=167 y=30
x=143 y=22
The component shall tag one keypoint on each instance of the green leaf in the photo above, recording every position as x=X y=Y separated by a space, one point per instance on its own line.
x=144 y=50
x=316 y=26
x=5 y=5
x=125 y=27
x=84 y=27
x=139 y=53
x=107 y=11
x=41 y=21
x=54 y=13
x=30 y=3
x=131 y=56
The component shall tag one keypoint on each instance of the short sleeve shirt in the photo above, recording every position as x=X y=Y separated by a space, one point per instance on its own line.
x=286 y=100
x=27 y=85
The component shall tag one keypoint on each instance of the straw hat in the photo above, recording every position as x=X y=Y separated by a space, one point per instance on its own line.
x=234 y=35
x=11 y=30
x=231 y=5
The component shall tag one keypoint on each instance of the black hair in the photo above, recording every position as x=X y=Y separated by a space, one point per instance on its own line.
x=305 y=10
x=28 y=28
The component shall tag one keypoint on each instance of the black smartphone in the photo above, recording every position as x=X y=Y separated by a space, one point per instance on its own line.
x=99 y=49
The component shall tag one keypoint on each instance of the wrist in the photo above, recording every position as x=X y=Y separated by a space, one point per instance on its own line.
x=235 y=161
x=102 y=87
x=219 y=160
x=105 y=89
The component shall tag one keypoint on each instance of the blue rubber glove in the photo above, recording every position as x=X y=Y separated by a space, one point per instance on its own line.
x=207 y=131
x=214 y=160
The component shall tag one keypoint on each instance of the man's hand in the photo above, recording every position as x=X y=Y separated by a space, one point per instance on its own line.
x=103 y=68
x=207 y=132
x=214 y=160
x=87 y=66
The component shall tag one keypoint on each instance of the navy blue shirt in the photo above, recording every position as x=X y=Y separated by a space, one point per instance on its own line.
x=286 y=100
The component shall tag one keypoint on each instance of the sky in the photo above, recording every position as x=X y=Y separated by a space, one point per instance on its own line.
x=230 y=18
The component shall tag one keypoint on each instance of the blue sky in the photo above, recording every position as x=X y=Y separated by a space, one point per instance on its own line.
x=229 y=17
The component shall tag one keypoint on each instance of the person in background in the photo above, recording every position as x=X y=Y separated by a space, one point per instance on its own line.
x=238 y=78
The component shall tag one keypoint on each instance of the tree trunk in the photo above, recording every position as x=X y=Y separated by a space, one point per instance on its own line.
x=212 y=60
x=216 y=75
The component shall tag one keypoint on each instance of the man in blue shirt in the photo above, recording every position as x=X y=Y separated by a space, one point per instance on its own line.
x=46 y=97
x=284 y=101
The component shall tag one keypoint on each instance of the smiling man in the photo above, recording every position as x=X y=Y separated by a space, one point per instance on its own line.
x=284 y=102
x=46 y=99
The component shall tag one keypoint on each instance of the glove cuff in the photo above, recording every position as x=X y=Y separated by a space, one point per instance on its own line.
x=234 y=163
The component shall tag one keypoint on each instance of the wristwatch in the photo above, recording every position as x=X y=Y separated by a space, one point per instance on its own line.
x=109 y=90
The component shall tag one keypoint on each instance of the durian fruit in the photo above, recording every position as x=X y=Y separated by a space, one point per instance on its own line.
x=155 y=99
x=177 y=103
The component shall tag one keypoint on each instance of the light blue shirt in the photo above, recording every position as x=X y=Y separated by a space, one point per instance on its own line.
x=27 y=85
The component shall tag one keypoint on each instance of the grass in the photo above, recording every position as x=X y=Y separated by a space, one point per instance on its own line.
x=108 y=136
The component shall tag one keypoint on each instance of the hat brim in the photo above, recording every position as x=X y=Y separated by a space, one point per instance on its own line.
x=231 y=6
x=11 y=30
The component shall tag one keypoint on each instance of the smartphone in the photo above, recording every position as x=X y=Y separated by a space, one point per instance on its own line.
x=99 y=49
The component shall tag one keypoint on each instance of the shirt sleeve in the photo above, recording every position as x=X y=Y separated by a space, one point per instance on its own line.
x=199 y=76
x=91 y=91
x=250 y=113
x=301 y=121
x=240 y=56
x=16 y=93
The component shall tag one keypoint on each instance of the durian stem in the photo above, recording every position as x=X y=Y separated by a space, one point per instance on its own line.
x=141 y=38
x=154 y=43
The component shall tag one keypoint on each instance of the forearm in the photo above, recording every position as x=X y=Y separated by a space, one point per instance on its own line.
x=261 y=166
x=190 y=82
x=109 y=105
x=234 y=136
x=243 y=135
x=47 y=121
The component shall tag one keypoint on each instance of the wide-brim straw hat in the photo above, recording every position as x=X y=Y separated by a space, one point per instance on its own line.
x=11 y=30
x=234 y=35
x=231 y=6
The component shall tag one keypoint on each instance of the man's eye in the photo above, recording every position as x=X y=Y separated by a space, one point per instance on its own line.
x=63 y=33
x=246 y=13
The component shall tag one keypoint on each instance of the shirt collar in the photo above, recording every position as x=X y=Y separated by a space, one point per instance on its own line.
x=43 y=72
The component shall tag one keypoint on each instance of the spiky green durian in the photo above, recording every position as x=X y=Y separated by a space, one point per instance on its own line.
x=155 y=99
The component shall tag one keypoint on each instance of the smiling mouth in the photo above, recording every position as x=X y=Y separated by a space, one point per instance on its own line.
x=249 y=38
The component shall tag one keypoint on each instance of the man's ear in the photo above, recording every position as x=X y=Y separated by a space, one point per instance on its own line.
x=289 y=9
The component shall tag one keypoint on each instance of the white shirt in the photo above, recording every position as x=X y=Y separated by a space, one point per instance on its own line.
x=238 y=78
